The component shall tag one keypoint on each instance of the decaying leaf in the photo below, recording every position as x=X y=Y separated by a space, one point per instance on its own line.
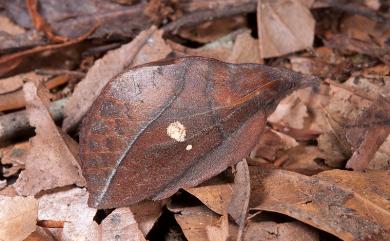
x=214 y=193
x=221 y=231
x=51 y=161
x=284 y=26
x=239 y=204
x=194 y=222
x=148 y=46
x=121 y=225
x=368 y=133
x=146 y=214
x=13 y=158
x=71 y=207
x=272 y=231
x=350 y=205
x=236 y=47
x=173 y=124
x=18 y=217
x=272 y=143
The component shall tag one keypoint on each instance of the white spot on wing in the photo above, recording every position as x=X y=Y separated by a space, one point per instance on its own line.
x=177 y=131
x=188 y=147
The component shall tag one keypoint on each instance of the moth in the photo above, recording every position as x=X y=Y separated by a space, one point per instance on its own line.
x=175 y=123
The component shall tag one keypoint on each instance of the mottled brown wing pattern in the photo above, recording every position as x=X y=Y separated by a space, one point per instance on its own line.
x=173 y=124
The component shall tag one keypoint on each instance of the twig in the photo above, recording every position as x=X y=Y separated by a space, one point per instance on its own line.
x=40 y=24
x=7 y=59
x=209 y=14
x=16 y=123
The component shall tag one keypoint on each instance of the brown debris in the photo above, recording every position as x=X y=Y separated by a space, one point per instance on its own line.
x=15 y=157
x=51 y=161
x=284 y=26
x=70 y=206
x=288 y=231
x=121 y=225
x=11 y=61
x=17 y=217
x=350 y=205
x=239 y=204
x=40 y=24
x=368 y=133
x=215 y=194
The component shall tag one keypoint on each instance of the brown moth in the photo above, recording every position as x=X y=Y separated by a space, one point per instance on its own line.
x=172 y=124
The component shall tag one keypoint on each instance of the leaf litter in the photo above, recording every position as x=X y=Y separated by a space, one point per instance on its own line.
x=317 y=168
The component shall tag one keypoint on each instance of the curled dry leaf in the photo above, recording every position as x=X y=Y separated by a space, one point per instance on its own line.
x=51 y=161
x=173 y=124
x=71 y=207
x=148 y=46
x=284 y=26
x=350 y=205
x=18 y=217
x=120 y=225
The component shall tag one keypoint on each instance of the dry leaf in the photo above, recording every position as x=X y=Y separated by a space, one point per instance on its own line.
x=350 y=205
x=245 y=50
x=173 y=124
x=272 y=231
x=303 y=159
x=271 y=144
x=13 y=158
x=120 y=225
x=15 y=82
x=368 y=133
x=18 y=217
x=236 y=47
x=291 y=112
x=194 y=222
x=212 y=30
x=51 y=161
x=71 y=207
x=284 y=26
x=238 y=206
x=220 y=232
x=146 y=47
x=7 y=26
x=214 y=193
x=146 y=214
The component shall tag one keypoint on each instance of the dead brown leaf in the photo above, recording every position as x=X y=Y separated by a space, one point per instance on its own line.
x=146 y=214
x=194 y=221
x=212 y=30
x=350 y=205
x=368 y=133
x=69 y=206
x=120 y=225
x=272 y=231
x=18 y=217
x=238 y=206
x=215 y=194
x=284 y=26
x=51 y=161
x=13 y=158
